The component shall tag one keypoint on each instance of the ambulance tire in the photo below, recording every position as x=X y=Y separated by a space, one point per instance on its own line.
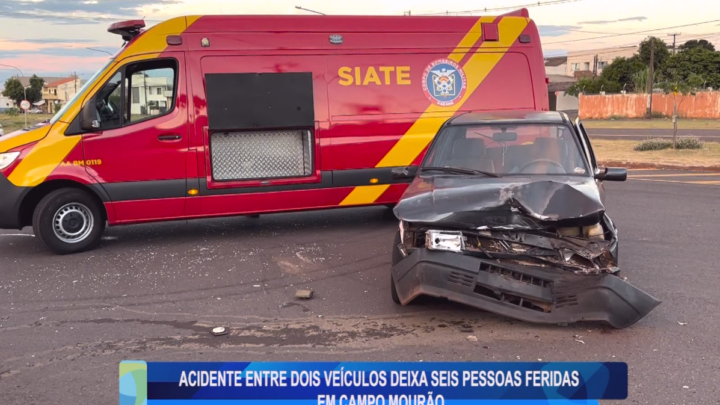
x=396 y=258
x=68 y=221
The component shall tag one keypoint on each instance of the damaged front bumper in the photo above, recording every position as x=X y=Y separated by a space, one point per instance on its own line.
x=542 y=294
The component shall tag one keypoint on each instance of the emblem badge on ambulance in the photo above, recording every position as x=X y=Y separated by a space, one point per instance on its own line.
x=444 y=82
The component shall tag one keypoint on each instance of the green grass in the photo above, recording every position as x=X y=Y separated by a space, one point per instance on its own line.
x=656 y=123
x=622 y=151
x=12 y=124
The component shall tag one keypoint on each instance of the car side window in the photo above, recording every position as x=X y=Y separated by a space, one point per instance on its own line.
x=137 y=92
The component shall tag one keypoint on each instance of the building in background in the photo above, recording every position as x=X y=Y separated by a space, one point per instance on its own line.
x=151 y=95
x=556 y=65
x=558 y=82
x=5 y=103
x=56 y=90
x=582 y=63
x=60 y=92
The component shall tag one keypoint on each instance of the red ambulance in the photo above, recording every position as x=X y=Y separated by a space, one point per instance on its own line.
x=236 y=115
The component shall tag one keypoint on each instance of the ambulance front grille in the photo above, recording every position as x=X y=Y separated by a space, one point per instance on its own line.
x=261 y=154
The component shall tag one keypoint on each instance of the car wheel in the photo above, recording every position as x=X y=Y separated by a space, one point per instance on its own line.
x=68 y=221
x=396 y=258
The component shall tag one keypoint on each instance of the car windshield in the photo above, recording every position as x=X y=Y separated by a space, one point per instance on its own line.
x=507 y=149
x=80 y=92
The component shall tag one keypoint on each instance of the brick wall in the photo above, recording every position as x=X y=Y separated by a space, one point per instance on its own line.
x=702 y=105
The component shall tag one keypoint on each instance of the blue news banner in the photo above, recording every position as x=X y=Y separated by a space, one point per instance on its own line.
x=334 y=383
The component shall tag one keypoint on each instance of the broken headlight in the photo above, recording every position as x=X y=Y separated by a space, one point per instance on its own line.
x=450 y=241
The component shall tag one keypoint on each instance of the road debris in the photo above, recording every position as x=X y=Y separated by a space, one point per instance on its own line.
x=219 y=331
x=579 y=341
x=304 y=294
x=682 y=323
x=472 y=338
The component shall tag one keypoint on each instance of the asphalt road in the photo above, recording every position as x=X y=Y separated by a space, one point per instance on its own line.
x=153 y=291
x=708 y=135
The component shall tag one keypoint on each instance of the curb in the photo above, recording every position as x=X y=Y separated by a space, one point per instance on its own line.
x=656 y=166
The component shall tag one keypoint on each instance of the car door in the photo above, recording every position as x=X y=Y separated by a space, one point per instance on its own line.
x=138 y=153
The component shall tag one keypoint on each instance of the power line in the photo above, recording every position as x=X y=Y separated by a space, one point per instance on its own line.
x=674 y=35
x=606 y=49
x=515 y=7
x=631 y=33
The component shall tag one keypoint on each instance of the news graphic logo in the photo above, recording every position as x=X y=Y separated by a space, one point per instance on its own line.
x=444 y=82
x=133 y=383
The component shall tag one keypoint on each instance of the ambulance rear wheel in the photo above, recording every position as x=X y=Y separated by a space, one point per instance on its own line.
x=68 y=221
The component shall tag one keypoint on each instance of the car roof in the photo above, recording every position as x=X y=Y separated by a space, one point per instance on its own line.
x=510 y=116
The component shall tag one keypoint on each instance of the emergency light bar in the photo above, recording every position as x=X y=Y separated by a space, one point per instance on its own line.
x=127 y=29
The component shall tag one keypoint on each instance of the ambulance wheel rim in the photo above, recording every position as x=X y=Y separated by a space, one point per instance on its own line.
x=73 y=223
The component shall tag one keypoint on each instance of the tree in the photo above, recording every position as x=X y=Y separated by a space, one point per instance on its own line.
x=34 y=92
x=592 y=85
x=622 y=70
x=14 y=90
x=57 y=107
x=679 y=87
x=697 y=60
x=694 y=43
x=661 y=51
x=640 y=80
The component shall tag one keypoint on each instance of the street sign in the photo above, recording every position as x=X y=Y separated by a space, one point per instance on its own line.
x=25 y=105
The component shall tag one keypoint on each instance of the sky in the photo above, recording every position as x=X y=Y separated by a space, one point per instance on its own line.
x=51 y=37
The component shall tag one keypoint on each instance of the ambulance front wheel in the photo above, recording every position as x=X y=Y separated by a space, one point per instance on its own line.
x=68 y=221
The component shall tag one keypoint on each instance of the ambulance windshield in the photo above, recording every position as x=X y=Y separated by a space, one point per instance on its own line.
x=80 y=92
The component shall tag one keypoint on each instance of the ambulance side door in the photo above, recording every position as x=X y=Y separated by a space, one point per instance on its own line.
x=138 y=153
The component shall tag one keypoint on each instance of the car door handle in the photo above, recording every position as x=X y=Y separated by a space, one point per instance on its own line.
x=166 y=138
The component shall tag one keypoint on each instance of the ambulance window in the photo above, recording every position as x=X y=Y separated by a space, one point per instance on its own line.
x=150 y=90
x=109 y=103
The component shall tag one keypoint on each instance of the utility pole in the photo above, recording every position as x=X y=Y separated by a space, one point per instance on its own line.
x=651 y=74
x=674 y=35
x=595 y=63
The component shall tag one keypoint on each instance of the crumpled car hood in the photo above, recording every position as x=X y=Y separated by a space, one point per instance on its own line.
x=511 y=201
x=24 y=136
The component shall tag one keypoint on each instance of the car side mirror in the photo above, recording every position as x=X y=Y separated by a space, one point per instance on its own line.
x=612 y=174
x=88 y=117
x=403 y=173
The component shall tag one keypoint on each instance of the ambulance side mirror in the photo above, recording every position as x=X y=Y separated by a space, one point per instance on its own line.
x=404 y=173
x=88 y=117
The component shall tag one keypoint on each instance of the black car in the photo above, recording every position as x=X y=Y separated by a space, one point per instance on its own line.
x=506 y=214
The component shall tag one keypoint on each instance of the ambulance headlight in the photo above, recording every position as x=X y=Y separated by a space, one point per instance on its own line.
x=6 y=159
x=449 y=241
